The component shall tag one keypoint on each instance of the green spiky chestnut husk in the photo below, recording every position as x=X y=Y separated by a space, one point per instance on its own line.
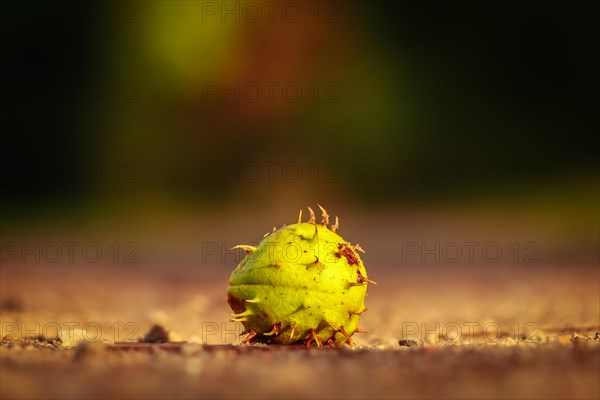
x=302 y=283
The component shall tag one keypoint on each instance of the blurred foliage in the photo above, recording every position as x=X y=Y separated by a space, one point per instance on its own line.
x=123 y=89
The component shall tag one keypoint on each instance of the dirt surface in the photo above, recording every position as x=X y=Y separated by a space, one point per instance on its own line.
x=435 y=332
x=522 y=326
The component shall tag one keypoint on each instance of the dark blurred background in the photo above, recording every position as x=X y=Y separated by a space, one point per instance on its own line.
x=121 y=113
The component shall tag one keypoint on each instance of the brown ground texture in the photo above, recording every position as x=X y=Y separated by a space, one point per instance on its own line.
x=502 y=332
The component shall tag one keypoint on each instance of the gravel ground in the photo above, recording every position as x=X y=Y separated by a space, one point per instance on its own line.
x=502 y=332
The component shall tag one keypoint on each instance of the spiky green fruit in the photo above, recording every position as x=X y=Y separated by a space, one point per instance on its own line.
x=302 y=282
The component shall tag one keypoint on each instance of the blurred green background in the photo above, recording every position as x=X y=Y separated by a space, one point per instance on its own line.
x=123 y=114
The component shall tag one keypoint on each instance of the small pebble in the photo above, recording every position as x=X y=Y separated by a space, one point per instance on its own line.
x=408 y=343
x=10 y=337
x=156 y=334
